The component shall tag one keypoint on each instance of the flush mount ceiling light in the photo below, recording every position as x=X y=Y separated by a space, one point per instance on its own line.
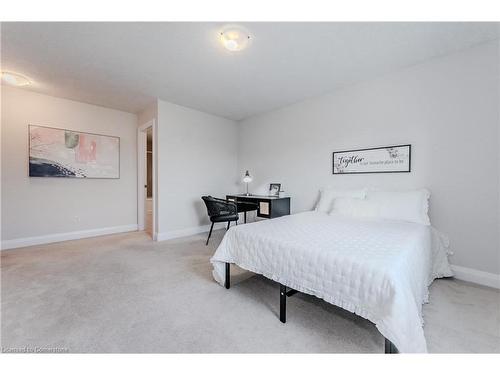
x=15 y=79
x=234 y=38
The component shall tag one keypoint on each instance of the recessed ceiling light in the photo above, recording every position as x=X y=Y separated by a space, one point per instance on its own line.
x=15 y=79
x=234 y=38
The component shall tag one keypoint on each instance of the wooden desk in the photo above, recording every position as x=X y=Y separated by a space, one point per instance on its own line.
x=268 y=207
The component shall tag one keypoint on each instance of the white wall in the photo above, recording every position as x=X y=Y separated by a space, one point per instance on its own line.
x=34 y=207
x=197 y=155
x=446 y=108
x=147 y=114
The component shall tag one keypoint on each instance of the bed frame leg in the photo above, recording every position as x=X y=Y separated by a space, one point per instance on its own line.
x=282 y=303
x=390 y=348
x=227 y=283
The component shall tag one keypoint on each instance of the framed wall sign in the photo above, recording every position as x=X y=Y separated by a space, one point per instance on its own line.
x=57 y=152
x=390 y=159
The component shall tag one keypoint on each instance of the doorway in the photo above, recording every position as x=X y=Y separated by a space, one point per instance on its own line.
x=148 y=220
x=146 y=199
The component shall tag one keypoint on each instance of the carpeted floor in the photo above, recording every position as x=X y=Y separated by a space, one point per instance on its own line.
x=125 y=293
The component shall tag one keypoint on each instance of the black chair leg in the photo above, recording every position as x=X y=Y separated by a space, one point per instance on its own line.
x=210 y=233
x=228 y=224
x=245 y=216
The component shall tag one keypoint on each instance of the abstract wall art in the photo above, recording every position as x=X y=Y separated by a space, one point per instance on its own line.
x=57 y=152
x=390 y=159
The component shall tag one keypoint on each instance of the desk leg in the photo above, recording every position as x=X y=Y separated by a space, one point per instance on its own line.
x=245 y=217
x=390 y=348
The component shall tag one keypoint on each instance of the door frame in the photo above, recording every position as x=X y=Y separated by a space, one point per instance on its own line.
x=141 y=175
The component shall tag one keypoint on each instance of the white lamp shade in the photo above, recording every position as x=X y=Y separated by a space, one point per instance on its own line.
x=247 y=178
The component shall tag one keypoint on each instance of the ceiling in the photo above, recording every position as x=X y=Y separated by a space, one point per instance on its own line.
x=127 y=65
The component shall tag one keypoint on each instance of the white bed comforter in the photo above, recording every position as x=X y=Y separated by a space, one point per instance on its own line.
x=378 y=269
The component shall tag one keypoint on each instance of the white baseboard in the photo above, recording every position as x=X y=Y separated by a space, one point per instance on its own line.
x=476 y=276
x=187 y=232
x=58 y=237
x=461 y=273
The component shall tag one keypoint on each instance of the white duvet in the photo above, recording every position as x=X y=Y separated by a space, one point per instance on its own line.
x=378 y=269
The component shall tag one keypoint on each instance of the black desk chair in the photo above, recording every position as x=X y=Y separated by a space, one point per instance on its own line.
x=220 y=211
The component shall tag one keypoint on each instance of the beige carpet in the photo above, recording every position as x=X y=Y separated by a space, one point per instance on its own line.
x=125 y=293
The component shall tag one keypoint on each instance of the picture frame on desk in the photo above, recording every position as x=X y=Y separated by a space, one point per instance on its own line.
x=274 y=190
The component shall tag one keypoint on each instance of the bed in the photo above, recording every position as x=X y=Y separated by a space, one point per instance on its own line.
x=376 y=268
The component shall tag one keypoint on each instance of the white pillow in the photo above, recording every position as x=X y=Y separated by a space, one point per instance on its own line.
x=328 y=195
x=355 y=207
x=411 y=205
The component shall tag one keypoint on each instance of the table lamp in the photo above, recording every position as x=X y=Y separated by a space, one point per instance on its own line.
x=246 y=179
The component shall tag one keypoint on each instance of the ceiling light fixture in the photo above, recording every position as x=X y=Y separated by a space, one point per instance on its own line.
x=15 y=79
x=234 y=38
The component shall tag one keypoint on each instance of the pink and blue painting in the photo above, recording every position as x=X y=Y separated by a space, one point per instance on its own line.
x=57 y=152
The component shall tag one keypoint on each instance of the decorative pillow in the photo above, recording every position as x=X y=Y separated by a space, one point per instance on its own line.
x=328 y=195
x=411 y=205
x=355 y=207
